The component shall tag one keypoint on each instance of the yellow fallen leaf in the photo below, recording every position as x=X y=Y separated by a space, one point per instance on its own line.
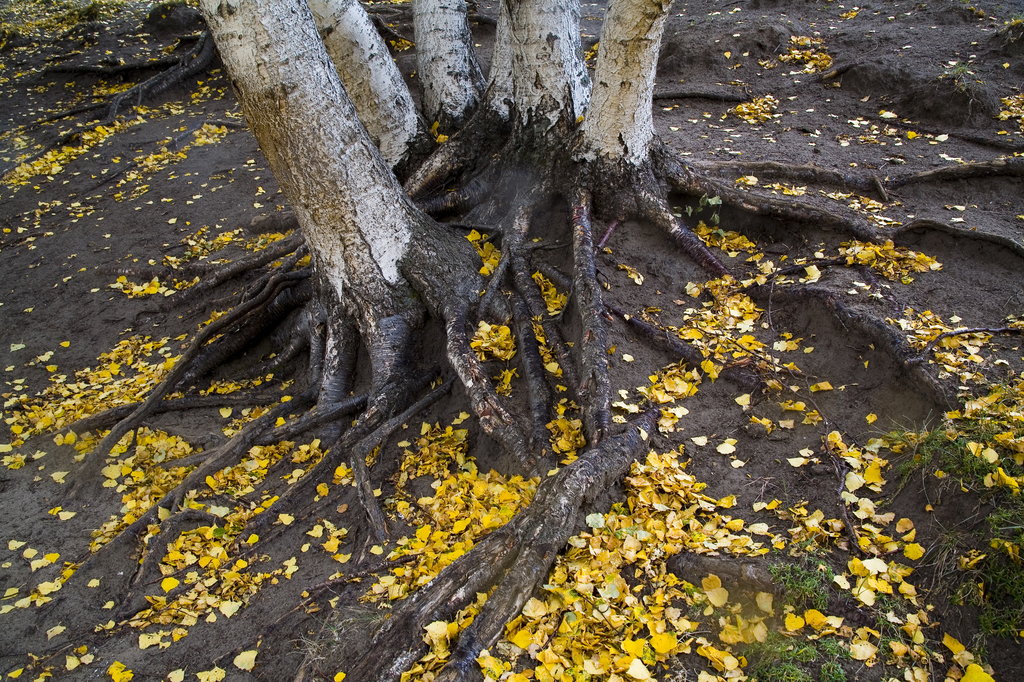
x=862 y=651
x=815 y=618
x=765 y=600
x=718 y=596
x=215 y=675
x=664 y=643
x=522 y=639
x=634 y=646
x=285 y=519
x=728 y=447
x=168 y=584
x=638 y=671
x=975 y=673
x=119 y=673
x=377 y=549
x=339 y=676
x=794 y=623
x=913 y=551
x=245 y=660
x=870 y=419
x=176 y=675
x=952 y=643
x=54 y=631
x=225 y=412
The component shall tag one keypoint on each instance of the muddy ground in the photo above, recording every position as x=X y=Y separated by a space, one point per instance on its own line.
x=940 y=66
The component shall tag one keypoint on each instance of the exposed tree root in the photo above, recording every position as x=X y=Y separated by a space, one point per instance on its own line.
x=684 y=179
x=107 y=418
x=178 y=372
x=923 y=355
x=884 y=335
x=512 y=560
x=709 y=95
x=595 y=386
x=1017 y=247
x=114 y=69
x=1005 y=166
x=784 y=171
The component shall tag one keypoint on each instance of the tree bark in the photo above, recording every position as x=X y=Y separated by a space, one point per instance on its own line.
x=549 y=77
x=352 y=211
x=619 y=124
x=449 y=74
x=371 y=77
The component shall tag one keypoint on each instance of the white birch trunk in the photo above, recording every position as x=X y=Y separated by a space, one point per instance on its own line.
x=619 y=124
x=548 y=73
x=354 y=215
x=449 y=74
x=500 y=93
x=370 y=76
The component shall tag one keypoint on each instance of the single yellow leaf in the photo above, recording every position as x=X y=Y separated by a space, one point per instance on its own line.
x=225 y=412
x=664 y=643
x=522 y=639
x=246 y=660
x=339 y=676
x=870 y=419
x=913 y=551
x=169 y=583
x=975 y=673
x=377 y=549
x=862 y=651
x=952 y=643
x=794 y=622
x=285 y=519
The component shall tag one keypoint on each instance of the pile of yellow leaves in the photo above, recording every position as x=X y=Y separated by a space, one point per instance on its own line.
x=727 y=240
x=892 y=262
x=464 y=506
x=566 y=434
x=757 y=110
x=493 y=341
x=1014 y=109
x=554 y=300
x=489 y=254
x=109 y=385
x=590 y=624
x=53 y=162
x=812 y=59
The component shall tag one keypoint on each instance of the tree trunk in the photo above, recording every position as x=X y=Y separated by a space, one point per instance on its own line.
x=371 y=78
x=352 y=211
x=549 y=77
x=449 y=74
x=619 y=124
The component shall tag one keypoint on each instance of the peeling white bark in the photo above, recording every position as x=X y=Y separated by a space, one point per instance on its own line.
x=353 y=213
x=548 y=73
x=370 y=76
x=619 y=123
x=447 y=68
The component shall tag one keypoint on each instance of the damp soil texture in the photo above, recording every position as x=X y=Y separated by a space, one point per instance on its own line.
x=103 y=235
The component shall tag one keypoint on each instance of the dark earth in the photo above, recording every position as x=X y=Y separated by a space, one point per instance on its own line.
x=941 y=66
